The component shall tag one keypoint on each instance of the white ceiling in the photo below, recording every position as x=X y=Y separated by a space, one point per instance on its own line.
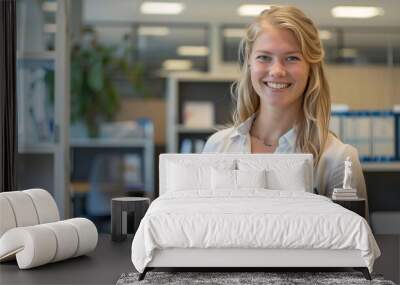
x=224 y=11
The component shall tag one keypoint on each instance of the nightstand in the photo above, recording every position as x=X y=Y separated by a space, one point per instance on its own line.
x=356 y=205
x=126 y=214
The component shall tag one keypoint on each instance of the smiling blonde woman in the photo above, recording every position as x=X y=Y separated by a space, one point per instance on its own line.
x=283 y=101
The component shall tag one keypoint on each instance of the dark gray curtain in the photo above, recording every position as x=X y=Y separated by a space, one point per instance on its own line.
x=8 y=102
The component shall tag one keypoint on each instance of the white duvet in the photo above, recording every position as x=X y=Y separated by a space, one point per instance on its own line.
x=250 y=219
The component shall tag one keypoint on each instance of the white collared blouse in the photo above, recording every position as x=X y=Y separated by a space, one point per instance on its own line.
x=329 y=172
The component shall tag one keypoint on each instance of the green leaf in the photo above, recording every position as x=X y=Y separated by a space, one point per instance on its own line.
x=95 y=76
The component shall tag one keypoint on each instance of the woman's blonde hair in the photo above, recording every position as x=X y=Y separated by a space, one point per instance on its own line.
x=313 y=126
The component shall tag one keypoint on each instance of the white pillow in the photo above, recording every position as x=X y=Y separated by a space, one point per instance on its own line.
x=225 y=179
x=183 y=177
x=293 y=180
x=187 y=175
x=251 y=178
x=281 y=174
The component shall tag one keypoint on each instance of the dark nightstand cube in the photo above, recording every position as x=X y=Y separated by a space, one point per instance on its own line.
x=356 y=205
x=126 y=214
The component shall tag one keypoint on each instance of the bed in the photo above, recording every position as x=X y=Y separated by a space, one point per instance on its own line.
x=246 y=211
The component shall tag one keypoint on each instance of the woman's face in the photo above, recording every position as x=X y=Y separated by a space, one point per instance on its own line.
x=278 y=70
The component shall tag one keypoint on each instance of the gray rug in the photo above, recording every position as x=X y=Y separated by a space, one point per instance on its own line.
x=269 y=278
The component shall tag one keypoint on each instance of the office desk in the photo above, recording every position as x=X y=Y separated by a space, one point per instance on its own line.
x=102 y=266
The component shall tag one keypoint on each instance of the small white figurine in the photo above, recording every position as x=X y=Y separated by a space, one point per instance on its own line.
x=347 y=174
x=346 y=192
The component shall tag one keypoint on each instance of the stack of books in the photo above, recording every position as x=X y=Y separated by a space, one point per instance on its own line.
x=344 y=194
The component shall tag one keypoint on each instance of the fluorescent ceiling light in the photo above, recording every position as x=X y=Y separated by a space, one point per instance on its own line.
x=50 y=28
x=153 y=31
x=252 y=10
x=234 y=33
x=348 y=52
x=49 y=6
x=325 y=35
x=177 y=64
x=192 y=51
x=165 y=8
x=360 y=12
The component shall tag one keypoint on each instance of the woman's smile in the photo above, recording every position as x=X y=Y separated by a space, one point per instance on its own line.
x=277 y=85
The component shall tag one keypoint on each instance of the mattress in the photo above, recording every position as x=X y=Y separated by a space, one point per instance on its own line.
x=252 y=218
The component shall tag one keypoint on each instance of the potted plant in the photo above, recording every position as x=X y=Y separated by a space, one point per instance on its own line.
x=94 y=97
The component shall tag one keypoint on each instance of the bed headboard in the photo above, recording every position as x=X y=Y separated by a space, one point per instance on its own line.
x=286 y=162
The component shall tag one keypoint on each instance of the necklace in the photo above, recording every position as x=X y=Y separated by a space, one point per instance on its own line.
x=266 y=144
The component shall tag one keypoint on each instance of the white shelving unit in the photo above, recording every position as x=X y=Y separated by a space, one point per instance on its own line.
x=184 y=129
x=146 y=144
x=43 y=148
x=174 y=126
x=36 y=55
x=381 y=166
x=44 y=162
x=110 y=142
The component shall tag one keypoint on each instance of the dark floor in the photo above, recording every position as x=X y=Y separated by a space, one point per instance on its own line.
x=102 y=266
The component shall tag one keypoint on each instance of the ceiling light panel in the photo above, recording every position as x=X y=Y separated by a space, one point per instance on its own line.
x=234 y=33
x=192 y=51
x=153 y=31
x=325 y=35
x=348 y=52
x=49 y=6
x=161 y=8
x=357 y=12
x=177 y=64
x=252 y=10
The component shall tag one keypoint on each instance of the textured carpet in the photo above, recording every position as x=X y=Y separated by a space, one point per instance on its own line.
x=230 y=278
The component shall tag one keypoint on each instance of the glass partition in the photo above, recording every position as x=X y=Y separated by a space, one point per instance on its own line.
x=342 y=45
x=36 y=30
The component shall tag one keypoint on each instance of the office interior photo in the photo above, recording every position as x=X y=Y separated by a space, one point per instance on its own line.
x=94 y=91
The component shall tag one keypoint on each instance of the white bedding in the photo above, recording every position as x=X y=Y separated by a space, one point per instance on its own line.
x=252 y=218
